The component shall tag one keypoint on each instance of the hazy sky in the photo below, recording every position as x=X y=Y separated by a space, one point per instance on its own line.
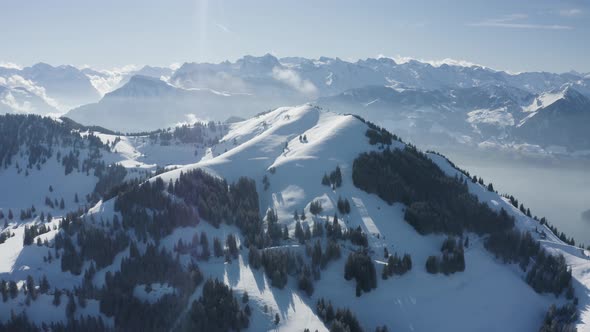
x=504 y=34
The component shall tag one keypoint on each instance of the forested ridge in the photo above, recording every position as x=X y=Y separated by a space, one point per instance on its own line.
x=149 y=211
x=41 y=137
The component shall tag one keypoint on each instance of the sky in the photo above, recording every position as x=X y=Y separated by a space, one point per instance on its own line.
x=527 y=35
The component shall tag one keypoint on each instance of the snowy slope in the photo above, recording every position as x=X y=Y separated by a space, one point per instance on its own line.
x=487 y=296
x=486 y=286
x=557 y=118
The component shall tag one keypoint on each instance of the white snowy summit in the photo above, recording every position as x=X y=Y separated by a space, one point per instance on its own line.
x=295 y=219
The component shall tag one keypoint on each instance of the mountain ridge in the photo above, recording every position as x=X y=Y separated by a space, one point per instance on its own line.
x=432 y=97
x=285 y=152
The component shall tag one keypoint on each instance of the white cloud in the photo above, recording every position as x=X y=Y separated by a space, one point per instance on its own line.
x=292 y=79
x=10 y=65
x=111 y=78
x=175 y=65
x=126 y=68
x=13 y=104
x=106 y=83
x=435 y=63
x=570 y=12
x=191 y=119
x=17 y=81
x=515 y=21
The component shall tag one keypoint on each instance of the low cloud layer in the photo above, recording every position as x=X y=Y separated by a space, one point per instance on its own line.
x=17 y=81
x=292 y=79
x=10 y=65
x=10 y=101
x=435 y=63
x=106 y=81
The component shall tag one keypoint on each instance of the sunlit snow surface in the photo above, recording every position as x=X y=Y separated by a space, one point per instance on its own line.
x=488 y=296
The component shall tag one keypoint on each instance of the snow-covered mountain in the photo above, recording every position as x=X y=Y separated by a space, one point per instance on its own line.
x=38 y=153
x=65 y=87
x=433 y=105
x=64 y=83
x=302 y=215
x=106 y=81
x=567 y=110
x=490 y=115
x=147 y=103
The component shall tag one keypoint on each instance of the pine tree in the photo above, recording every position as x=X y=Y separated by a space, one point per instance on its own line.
x=206 y=253
x=325 y=180
x=318 y=229
x=406 y=263
x=432 y=264
x=44 y=285
x=217 y=247
x=56 y=297
x=315 y=207
x=307 y=233
x=31 y=287
x=299 y=235
x=12 y=289
x=336 y=177
x=232 y=245
x=336 y=229
x=70 y=307
x=4 y=290
x=265 y=182
x=245 y=298
x=385 y=272
x=81 y=299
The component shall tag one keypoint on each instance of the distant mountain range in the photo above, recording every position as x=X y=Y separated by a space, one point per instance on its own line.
x=147 y=103
x=538 y=112
x=486 y=116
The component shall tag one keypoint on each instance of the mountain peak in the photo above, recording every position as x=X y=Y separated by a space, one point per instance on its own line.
x=42 y=65
x=139 y=79
x=268 y=61
x=142 y=86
